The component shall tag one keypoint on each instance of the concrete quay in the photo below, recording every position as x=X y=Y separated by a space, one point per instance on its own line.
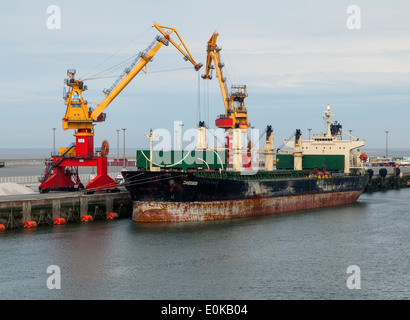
x=391 y=181
x=112 y=162
x=44 y=208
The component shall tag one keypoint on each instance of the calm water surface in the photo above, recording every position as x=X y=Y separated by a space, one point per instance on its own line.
x=302 y=255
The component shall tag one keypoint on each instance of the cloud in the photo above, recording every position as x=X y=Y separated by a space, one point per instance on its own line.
x=294 y=56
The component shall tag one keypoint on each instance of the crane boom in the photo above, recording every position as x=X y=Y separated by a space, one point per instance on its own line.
x=112 y=94
x=78 y=116
x=234 y=102
x=184 y=50
x=143 y=61
x=213 y=55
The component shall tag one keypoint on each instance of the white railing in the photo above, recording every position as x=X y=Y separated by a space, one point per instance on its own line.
x=84 y=177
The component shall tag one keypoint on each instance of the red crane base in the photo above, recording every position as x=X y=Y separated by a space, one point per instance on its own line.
x=62 y=174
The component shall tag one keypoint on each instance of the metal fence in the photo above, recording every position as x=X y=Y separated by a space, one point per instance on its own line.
x=84 y=177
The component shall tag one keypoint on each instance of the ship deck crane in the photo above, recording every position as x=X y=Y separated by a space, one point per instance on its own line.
x=236 y=115
x=235 y=119
x=62 y=170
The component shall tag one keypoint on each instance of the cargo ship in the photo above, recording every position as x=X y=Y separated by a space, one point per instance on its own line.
x=211 y=184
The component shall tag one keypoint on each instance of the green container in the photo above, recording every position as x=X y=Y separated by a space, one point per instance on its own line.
x=331 y=162
x=183 y=160
x=284 y=162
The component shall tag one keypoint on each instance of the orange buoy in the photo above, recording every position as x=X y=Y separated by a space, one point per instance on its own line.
x=30 y=224
x=86 y=218
x=112 y=215
x=59 y=221
x=2 y=227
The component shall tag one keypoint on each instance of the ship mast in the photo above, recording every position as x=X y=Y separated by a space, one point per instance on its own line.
x=328 y=115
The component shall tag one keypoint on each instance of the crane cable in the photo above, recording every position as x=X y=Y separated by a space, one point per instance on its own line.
x=125 y=46
x=288 y=139
x=159 y=71
x=199 y=99
x=229 y=62
x=108 y=69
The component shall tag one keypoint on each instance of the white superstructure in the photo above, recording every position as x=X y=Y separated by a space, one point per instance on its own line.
x=330 y=143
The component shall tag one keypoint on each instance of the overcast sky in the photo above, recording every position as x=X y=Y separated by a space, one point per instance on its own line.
x=295 y=57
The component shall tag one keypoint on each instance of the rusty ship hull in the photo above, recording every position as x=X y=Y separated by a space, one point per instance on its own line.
x=200 y=196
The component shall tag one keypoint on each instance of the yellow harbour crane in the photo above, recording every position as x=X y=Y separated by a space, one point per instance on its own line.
x=81 y=118
x=236 y=115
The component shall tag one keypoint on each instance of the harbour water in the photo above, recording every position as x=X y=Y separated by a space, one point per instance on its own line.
x=300 y=255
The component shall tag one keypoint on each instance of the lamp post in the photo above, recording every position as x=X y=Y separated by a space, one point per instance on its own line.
x=387 y=135
x=350 y=135
x=118 y=145
x=54 y=141
x=124 y=148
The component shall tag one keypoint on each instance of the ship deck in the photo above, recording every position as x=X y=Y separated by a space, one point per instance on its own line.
x=248 y=175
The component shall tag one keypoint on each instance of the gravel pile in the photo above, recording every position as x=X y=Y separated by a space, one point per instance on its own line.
x=10 y=188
